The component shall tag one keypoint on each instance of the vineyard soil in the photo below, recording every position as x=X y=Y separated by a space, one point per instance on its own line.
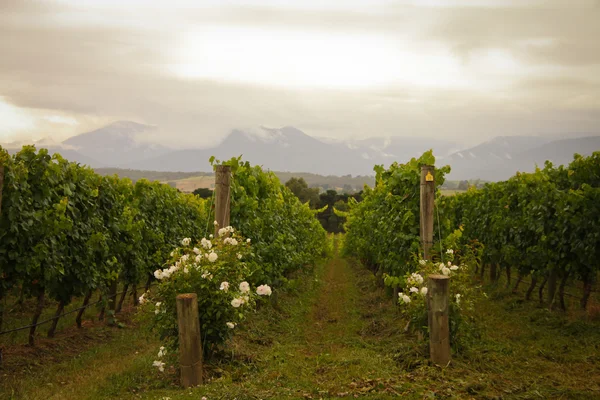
x=336 y=335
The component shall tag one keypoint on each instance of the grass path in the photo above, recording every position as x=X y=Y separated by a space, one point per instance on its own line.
x=313 y=344
x=317 y=341
x=336 y=335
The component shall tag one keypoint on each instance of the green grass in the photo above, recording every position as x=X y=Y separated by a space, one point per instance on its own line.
x=337 y=335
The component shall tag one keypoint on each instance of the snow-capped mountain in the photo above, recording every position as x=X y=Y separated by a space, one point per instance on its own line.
x=503 y=156
x=117 y=144
x=290 y=149
x=124 y=144
x=283 y=149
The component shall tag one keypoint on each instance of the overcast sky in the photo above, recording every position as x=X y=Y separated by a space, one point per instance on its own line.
x=464 y=70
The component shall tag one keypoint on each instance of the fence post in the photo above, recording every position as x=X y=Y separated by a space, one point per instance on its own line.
x=437 y=309
x=222 y=196
x=190 y=345
x=427 y=198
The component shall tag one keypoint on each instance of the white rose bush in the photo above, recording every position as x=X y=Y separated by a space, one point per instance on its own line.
x=412 y=298
x=218 y=271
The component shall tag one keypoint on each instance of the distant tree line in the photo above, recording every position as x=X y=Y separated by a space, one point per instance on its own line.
x=330 y=198
x=204 y=193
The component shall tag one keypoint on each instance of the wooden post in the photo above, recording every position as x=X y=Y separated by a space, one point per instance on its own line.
x=222 y=196
x=439 y=328
x=190 y=345
x=427 y=198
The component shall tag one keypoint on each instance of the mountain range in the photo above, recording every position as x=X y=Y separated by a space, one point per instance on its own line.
x=123 y=144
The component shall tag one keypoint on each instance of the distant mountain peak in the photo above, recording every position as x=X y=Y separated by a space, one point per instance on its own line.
x=501 y=157
x=126 y=130
x=118 y=143
x=282 y=137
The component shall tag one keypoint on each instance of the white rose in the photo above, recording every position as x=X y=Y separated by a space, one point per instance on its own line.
x=244 y=287
x=236 y=302
x=404 y=297
x=212 y=257
x=160 y=365
x=263 y=290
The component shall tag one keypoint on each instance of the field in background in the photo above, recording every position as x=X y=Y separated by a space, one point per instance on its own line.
x=188 y=185
x=190 y=181
x=451 y=192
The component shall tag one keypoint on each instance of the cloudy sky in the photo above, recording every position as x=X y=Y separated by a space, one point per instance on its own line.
x=464 y=70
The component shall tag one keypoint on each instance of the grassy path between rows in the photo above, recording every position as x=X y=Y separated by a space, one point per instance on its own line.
x=335 y=334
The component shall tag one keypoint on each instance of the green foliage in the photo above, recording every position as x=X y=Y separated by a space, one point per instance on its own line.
x=458 y=264
x=383 y=229
x=203 y=193
x=285 y=231
x=305 y=194
x=285 y=237
x=216 y=270
x=538 y=222
x=65 y=230
x=333 y=217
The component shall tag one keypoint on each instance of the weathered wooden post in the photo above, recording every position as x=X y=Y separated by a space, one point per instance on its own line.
x=439 y=327
x=190 y=345
x=222 y=196
x=427 y=198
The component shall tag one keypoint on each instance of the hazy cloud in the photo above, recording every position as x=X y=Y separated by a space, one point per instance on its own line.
x=463 y=70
